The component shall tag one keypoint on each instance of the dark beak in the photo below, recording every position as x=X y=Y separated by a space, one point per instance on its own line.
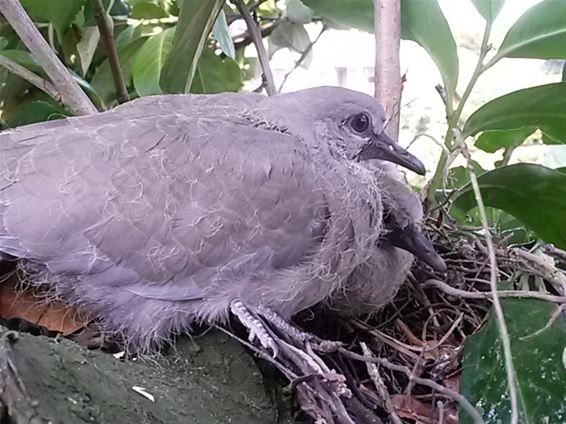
x=413 y=241
x=385 y=148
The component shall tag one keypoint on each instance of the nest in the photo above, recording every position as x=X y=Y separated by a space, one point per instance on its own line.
x=403 y=364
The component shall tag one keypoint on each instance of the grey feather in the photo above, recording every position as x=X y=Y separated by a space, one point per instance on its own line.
x=161 y=212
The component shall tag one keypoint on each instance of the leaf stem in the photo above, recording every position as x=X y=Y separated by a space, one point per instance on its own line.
x=504 y=334
x=453 y=117
x=303 y=56
x=30 y=77
x=103 y=21
x=255 y=34
x=71 y=94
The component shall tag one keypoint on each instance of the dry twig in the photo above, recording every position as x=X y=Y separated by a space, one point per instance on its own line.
x=30 y=77
x=506 y=342
x=104 y=22
x=71 y=94
x=255 y=34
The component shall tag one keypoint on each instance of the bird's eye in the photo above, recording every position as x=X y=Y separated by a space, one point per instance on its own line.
x=360 y=122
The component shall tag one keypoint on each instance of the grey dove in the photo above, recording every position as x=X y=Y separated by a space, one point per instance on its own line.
x=374 y=283
x=170 y=210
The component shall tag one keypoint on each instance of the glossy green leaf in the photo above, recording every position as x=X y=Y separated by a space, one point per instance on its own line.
x=221 y=33
x=539 y=33
x=149 y=61
x=533 y=194
x=537 y=352
x=549 y=140
x=424 y=23
x=459 y=176
x=542 y=106
x=492 y=141
x=421 y=21
x=489 y=9
x=216 y=74
x=196 y=19
x=58 y=12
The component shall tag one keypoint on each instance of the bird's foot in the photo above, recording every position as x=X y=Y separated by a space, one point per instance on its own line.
x=256 y=328
x=294 y=355
x=326 y=346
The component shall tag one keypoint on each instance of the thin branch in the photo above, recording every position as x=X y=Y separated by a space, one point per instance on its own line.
x=71 y=94
x=303 y=56
x=30 y=77
x=437 y=142
x=388 y=85
x=103 y=21
x=453 y=117
x=526 y=294
x=552 y=250
x=244 y=39
x=467 y=406
x=542 y=268
x=373 y=372
x=255 y=33
x=505 y=341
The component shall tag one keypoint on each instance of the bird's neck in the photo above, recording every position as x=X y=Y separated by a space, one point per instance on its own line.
x=354 y=204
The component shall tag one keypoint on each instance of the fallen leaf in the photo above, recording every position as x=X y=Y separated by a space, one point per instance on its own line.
x=16 y=302
x=422 y=413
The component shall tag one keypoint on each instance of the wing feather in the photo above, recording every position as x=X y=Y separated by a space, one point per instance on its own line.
x=165 y=187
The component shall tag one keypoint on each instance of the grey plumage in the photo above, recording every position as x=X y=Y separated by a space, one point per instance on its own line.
x=374 y=284
x=162 y=211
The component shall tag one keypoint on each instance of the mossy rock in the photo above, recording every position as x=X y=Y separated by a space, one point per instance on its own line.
x=209 y=379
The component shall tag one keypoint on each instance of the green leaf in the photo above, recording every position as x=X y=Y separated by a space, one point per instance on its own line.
x=539 y=33
x=563 y=169
x=424 y=23
x=549 y=140
x=489 y=9
x=148 y=9
x=537 y=353
x=196 y=19
x=492 y=141
x=23 y=58
x=543 y=107
x=87 y=46
x=533 y=194
x=216 y=74
x=58 y=12
x=149 y=61
x=298 y=13
x=349 y=13
x=459 y=176
x=221 y=33
x=292 y=36
x=421 y=21
x=33 y=110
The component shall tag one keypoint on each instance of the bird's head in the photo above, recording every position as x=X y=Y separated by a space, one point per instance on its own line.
x=350 y=123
